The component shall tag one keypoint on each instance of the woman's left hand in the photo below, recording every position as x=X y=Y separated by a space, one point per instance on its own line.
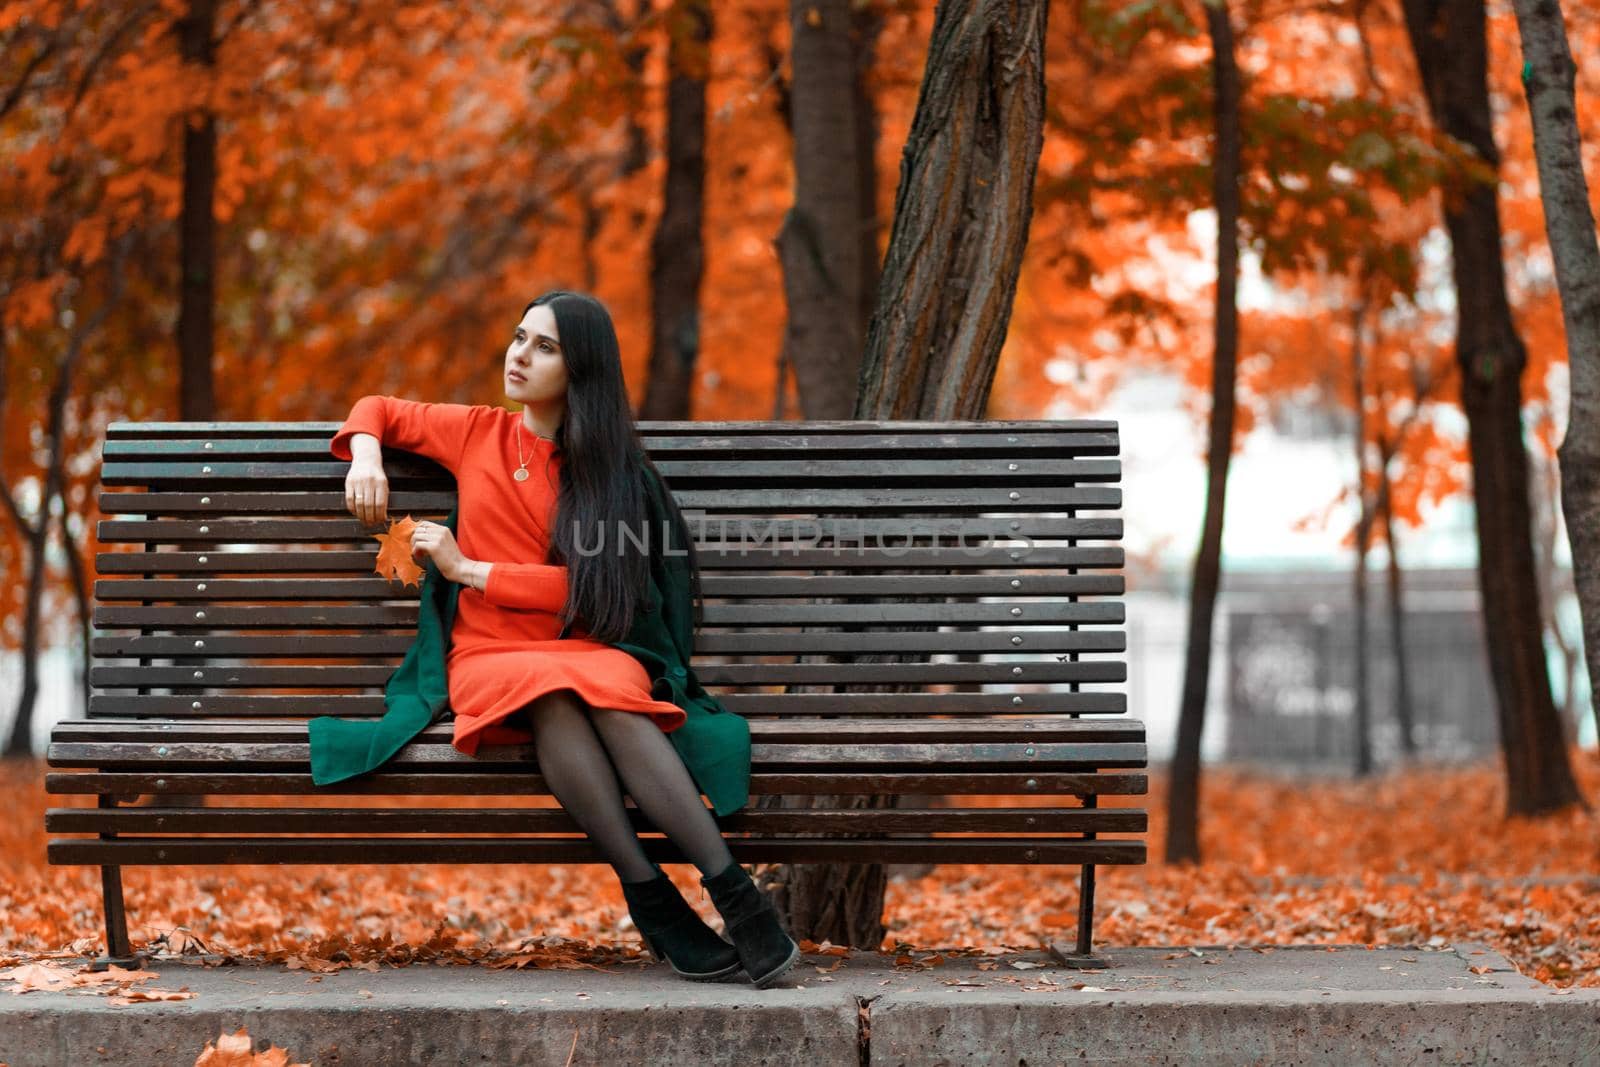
x=439 y=543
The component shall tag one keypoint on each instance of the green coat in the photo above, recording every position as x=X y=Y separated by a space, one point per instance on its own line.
x=713 y=742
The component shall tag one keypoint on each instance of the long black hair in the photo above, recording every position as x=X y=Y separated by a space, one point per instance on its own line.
x=603 y=472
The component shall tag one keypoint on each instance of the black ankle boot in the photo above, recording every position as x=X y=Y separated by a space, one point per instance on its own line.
x=674 y=931
x=765 y=949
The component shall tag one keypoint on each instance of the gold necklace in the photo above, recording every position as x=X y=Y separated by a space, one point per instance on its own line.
x=521 y=473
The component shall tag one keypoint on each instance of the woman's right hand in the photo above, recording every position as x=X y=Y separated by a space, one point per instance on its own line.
x=366 y=491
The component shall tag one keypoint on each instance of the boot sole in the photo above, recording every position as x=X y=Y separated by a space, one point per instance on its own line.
x=779 y=971
x=710 y=976
x=714 y=976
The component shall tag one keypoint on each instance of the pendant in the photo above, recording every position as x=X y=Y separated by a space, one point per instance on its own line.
x=521 y=474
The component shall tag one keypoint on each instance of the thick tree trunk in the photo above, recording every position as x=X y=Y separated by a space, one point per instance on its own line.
x=867 y=24
x=819 y=243
x=197 y=252
x=197 y=256
x=1448 y=37
x=961 y=215
x=677 y=254
x=945 y=297
x=1547 y=76
x=1183 y=829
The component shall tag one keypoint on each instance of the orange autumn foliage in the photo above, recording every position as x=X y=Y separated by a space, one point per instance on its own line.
x=1405 y=858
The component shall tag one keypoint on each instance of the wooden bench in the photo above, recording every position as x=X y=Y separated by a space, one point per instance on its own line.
x=829 y=550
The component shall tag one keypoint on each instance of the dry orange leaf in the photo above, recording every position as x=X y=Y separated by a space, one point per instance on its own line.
x=52 y=978
x=136 y=996
x=394 y=557
x=234 y=1050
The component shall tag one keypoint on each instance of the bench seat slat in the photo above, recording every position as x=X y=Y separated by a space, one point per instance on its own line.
x=556 y=820
x=774 y=731
x=865 y=755
x=170 y=851
x=527 y=782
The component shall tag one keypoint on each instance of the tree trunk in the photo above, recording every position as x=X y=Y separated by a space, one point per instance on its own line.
x=197 y=252
x=961 y=215
x=1553 y=585
x=1183 y=830
x=81 y=600
x=1547 y=77
x=36 y=533
x=819 y=243
x=867 y=20
x=636 y=153
x=1364 y=523
x=868 y=23
x=197 y=257
x=677 y=253
x=1403 y=706
x=942 y=306
x=1449 y=39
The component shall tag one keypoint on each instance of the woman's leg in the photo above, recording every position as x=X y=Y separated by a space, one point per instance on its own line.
x=579 y=772
x=661 y=786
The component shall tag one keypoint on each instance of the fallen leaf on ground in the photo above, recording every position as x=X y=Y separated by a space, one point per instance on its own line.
x=137 y=995
x=235 y=1050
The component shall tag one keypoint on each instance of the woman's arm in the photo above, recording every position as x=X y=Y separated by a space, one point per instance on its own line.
x=438 y=431
x=528 y=586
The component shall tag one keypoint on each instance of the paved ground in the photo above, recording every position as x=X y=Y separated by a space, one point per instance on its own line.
x=1281 y=1005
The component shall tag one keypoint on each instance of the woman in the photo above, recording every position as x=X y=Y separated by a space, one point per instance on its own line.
x=548 y=578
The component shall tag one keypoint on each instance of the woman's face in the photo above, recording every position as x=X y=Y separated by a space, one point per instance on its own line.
x=535 y=355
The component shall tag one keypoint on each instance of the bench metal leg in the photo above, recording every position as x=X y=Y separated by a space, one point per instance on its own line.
x=119 y=950
x=1083 y=955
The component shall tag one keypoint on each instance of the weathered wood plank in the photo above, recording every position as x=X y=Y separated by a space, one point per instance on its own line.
x=524 y=820
x=530 y=782
x=170 y=851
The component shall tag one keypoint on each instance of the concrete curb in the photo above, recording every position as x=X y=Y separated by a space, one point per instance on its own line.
x=1315 y=1005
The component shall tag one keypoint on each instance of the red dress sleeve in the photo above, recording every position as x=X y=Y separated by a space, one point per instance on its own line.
x=438 y=431
x=529 y=586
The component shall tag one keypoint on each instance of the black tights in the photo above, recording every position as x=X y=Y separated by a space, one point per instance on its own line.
x=581 y=750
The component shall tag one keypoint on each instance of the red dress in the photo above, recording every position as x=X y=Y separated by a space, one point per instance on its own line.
x=503 y=646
